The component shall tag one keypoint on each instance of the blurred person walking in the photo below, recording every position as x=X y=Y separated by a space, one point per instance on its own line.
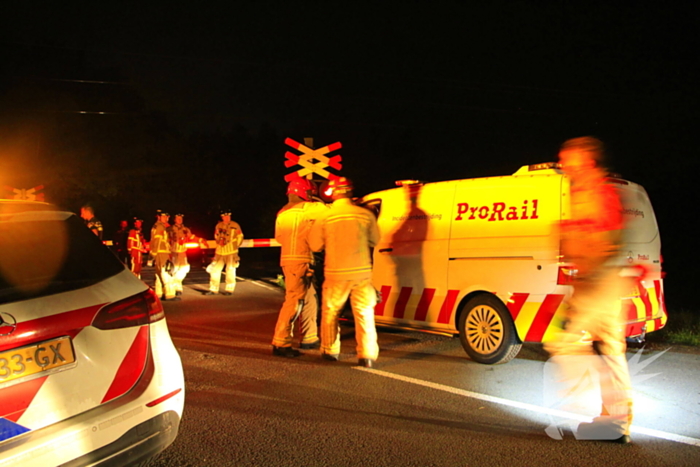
x=347 y=233
x=292 y=227
x=593 y=340
x=228 y=237
x=137 y=246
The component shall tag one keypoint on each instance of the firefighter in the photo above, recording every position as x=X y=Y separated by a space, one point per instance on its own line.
x=228 y=237
x=347 y=233
x=292 y=226
x=92 y=222
x=137 y=246
x=593 y=339
x=179 y=235
x=119 y=242
x=160 y=251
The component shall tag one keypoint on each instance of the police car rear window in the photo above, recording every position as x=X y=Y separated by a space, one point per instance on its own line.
x=45 y=257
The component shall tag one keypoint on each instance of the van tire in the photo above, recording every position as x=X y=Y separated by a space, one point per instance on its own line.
x=487 y=332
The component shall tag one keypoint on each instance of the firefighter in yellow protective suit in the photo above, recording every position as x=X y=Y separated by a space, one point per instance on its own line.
x=347 y=233
x=160 y=251
x=228 y=237
x=179 y=235
x=292 y=227
x=137 y=246
x=593 y=340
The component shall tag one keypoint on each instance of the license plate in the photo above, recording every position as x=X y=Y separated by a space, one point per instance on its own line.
x=35 y=359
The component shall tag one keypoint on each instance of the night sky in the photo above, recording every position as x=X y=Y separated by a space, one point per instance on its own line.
x=185 y=106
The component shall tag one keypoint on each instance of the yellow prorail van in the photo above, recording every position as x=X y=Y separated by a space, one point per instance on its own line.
x=480 y=258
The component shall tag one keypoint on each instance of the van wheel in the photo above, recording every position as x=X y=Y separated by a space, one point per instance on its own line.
x=487 y=332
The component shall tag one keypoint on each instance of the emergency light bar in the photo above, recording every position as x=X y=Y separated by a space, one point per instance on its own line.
x=408 y=182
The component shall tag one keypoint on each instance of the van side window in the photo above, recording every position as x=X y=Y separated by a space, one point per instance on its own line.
x=373 y=205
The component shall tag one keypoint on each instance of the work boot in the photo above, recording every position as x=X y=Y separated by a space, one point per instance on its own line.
x=287 y=352
x=329 y=357
x=601 y=431
x=310 y=345
x=365 y=362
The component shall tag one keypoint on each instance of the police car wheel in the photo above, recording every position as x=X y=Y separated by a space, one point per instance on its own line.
x=487 y=332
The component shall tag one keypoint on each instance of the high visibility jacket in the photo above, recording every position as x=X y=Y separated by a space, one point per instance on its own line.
x=95 y=225
x=595 y=229
x=159 y=239
x=136 y=241
x=346 y=232
x=292 y=228
x=228 y=237
x=179 y=235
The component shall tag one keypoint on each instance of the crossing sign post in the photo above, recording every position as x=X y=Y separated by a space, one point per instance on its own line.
x=312 y=161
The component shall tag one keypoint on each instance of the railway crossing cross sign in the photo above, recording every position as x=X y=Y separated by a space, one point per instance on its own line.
x=29 y=194
x=312 y=161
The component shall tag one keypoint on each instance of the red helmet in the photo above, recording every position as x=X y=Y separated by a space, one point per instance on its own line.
x=340 y=184
x=301 y=187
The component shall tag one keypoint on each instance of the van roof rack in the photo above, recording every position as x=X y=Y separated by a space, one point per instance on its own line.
x=526 y=169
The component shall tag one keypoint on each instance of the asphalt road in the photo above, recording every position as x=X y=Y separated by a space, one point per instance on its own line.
x=424 y=404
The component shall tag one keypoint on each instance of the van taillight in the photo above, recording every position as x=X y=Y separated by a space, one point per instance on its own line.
x=566 y=275
x=661 y=266
x=136 y=310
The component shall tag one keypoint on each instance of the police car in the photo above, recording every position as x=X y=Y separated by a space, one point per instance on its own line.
x=88 y=371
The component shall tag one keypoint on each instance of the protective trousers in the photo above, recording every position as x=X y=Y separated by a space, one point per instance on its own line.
x=180 y=269
x=164 y=282
x=593 y=344
x=363 y=297
x=136 y=262
x=299 y=300
x=215 y=268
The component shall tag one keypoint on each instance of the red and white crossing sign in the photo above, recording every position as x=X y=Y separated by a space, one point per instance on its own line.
x=29 y=194
x=312 y=161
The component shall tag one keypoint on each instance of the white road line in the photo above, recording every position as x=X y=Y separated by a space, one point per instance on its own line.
x=530 y=407
x=262 y=284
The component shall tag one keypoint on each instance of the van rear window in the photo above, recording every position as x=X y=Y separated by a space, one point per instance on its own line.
x=640 y=221
x=46 y=257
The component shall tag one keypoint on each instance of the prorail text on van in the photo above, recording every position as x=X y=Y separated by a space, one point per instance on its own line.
x=496 y=211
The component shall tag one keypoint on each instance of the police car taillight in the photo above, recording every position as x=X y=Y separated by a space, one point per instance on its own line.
x=566 y=275
x=137 y=310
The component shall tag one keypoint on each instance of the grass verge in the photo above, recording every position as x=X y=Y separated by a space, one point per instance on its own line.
x=682 y=328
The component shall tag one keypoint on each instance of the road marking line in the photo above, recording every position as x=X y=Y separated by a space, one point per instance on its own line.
x=262 y=284
x=530 y=407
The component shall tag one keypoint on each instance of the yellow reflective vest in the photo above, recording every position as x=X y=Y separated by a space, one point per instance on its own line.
x=228 y=237
x=292 y=228
x=346 y=232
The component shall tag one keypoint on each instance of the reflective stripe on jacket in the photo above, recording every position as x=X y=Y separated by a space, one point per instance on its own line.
x=228 y=237
x=292 y=228
x=159 y=239
x=346 y=232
